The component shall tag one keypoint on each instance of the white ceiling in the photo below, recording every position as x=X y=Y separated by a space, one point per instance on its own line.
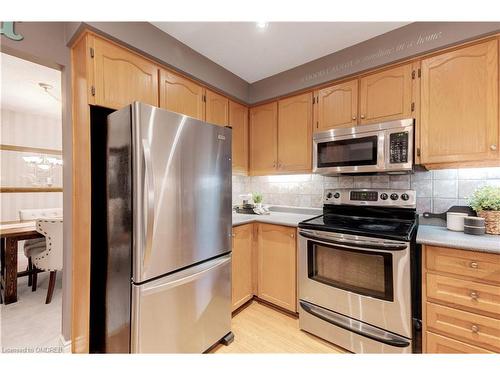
x=20 y=90
x=253 y=54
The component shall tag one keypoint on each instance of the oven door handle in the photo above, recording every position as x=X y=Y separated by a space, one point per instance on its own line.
x=356 y=326
x=357 y=243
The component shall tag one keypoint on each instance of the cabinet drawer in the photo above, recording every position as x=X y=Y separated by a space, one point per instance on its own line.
x=469 y=294
x=482 y=266
x=437 y=344
x=473 y=328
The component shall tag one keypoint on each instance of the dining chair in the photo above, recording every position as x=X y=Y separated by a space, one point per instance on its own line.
x=35 y=246
x=51 y=259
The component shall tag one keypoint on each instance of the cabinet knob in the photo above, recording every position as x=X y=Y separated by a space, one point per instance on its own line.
x=274 y=164
x=474 y=295
x=354 y=117
x=493 y=147
x=292 y=235
x=362 y=116
x=474 y=328
x=279 y=164
x=474 y=265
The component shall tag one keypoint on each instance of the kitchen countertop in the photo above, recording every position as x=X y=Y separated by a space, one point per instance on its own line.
x=440 y=236
x=287 y=216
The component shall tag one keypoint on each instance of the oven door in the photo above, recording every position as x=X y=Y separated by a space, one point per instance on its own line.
x=352 y=153
x=364 y=278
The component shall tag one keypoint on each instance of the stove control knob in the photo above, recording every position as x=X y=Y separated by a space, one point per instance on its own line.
x=384 y=196
x=394 y=196
x=329 y=195
x=336 y=195
x=405 y=196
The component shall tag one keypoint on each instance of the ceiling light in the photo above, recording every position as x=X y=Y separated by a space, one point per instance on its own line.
x=46 y=87
x=261 y=24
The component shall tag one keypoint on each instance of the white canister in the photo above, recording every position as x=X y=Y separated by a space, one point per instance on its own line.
x=455 y=221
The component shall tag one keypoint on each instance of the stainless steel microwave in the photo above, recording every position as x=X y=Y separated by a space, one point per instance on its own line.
x=376 y=148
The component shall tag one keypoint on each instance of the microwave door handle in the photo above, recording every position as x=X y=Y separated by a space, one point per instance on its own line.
x=355 y=326
x=356 y=244
x=149 y=207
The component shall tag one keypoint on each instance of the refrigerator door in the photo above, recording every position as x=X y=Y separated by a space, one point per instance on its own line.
x=181 y=191
x=185 y=312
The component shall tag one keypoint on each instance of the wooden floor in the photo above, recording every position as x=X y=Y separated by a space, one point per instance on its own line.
x=259 y=328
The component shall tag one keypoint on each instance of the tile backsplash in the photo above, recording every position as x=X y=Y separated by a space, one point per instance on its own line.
x=437 y=190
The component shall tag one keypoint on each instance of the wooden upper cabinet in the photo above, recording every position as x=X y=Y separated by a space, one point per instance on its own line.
x=337 y=106
x=238 y=120
x=179 y=94
x=386 y=95
x=459 y=105
x=121 y=76
x=277 y=265
x=242 y=285
x=217 y=109
x=295 y=134
x=263 y=139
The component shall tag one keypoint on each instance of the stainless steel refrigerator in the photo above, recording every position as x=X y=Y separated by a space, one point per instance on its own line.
x=168 y=273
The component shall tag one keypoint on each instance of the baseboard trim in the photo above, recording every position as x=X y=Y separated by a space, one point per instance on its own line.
x=66 y=345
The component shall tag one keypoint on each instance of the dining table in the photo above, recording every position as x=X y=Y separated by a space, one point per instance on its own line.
x=11 y=234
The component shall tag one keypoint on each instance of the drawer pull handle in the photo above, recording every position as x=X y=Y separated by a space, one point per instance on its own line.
x=474 y=265
x=474 y=295
x=474 y=328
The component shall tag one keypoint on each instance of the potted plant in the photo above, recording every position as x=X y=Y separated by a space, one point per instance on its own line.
x=257 y=199
x=486 y=202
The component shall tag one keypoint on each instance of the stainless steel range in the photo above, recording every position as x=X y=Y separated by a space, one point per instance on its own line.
x=359 y=273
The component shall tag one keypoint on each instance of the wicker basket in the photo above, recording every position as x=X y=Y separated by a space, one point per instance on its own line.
x=491 y=221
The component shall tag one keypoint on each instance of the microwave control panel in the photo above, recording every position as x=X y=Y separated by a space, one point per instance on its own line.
x=398 y=147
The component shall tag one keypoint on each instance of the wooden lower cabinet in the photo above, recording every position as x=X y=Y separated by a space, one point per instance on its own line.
x=277 y=262
x=444 y=345
x=242 y=283
x=264 y=264
x=461 y=301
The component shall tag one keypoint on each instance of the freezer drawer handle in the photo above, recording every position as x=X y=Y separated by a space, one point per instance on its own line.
x=185 y=278
x=150 y=196
x=355 y=326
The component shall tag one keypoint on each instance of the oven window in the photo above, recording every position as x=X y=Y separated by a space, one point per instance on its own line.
x=348 y=152
x=362 y=272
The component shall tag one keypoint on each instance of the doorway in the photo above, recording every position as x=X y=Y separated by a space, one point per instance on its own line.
x=31 y=197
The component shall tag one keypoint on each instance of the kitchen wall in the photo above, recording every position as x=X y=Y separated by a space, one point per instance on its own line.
x=436 y=190
x=396 y=45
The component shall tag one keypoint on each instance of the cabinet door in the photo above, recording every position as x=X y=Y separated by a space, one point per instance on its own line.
x=386 y=95
x=437 y=344
x=181 y=95
x=122 y=77
x=295 y=134
x=238 y=120
x=336 y=106
x=217 y=109
x=242 y=265
x=459 y=105
x=263 y=139
x=277 y=265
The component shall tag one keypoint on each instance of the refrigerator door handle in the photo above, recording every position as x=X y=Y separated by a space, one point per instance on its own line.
x=186 y=276
x=149 y=189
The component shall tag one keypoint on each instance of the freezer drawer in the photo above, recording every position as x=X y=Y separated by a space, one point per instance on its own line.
x=186 y=312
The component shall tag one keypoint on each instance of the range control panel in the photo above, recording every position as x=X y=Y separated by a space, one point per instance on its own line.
x=371 y=197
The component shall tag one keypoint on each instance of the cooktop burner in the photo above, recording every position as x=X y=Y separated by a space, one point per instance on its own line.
x=367 y=212
x=363 y=226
